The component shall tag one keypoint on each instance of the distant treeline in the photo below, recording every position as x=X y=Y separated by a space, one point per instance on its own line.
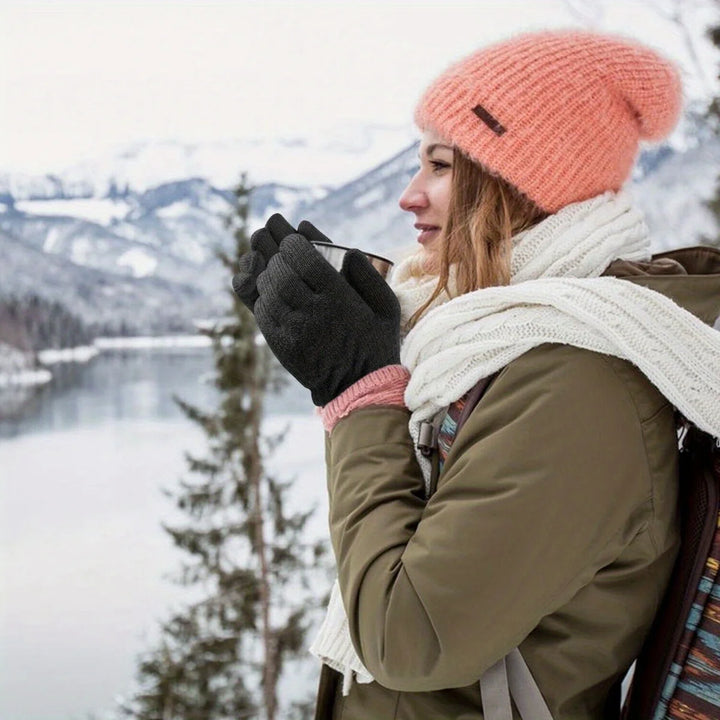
x=31 y=323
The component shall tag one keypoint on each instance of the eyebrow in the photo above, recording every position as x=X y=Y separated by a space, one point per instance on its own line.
x=431 y=148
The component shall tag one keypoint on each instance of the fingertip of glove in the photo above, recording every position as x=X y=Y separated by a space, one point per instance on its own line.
x=356 y=260
x=259 y=239
x=307 y=229
x=251 y=263
x=235 y=284
x=295 y=242
x=239 y=280
x=279 y=227
x=244 y=286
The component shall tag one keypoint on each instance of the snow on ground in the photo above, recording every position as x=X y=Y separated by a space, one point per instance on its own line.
x=83 y=353
x=51 y=239
x=166 y=341
x=99 y=210
x=25 y=377
x=178 y=209
x=81 y=249
x=141 y=263
x=371 y=196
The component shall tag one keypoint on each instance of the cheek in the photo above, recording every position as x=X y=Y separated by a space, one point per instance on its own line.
x=443 y=195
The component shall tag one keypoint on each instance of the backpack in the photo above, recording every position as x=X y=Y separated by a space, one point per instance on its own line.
x=677 y=674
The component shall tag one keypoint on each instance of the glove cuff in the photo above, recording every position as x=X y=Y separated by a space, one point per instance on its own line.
x=385 y=386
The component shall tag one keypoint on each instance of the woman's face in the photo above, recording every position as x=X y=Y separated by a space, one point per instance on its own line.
x=427 y=195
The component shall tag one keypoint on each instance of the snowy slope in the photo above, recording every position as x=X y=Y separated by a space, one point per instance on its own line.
x=104 y=300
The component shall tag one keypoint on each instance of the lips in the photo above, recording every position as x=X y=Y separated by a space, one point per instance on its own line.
x=427 y=232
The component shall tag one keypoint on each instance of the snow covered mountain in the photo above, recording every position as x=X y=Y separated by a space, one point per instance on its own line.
x=127 y=248
x=150 y=218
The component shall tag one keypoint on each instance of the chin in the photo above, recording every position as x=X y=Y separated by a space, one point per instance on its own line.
x=430 y=262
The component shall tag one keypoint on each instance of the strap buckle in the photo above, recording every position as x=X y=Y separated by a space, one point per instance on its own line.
x=427 y=439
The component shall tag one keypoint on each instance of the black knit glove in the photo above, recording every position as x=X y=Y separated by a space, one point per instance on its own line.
x=327 y=328
x=264 y=243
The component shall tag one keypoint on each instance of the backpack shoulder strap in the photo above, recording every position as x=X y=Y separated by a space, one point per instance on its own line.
x=473 y=398
x=510 y=676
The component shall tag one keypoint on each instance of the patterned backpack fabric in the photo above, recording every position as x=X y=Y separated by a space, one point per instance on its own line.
x=677 y=675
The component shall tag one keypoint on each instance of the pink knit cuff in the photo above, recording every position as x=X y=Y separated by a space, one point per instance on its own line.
x=385 y=386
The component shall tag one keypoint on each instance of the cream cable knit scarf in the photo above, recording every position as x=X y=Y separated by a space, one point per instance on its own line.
x=555 y=296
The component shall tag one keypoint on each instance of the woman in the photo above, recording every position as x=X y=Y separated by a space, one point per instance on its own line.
x=548 y=524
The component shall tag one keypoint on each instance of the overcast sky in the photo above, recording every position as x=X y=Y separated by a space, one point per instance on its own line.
x=78 y=77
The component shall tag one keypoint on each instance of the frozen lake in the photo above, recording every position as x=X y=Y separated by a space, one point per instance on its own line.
x=83 y=559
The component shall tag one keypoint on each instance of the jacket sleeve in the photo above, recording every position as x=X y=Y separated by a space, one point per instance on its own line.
x=546 y=483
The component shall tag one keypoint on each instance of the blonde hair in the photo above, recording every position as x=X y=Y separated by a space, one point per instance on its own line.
x=484 y=213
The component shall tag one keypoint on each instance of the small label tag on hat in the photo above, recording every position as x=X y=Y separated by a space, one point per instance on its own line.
x=488 y=119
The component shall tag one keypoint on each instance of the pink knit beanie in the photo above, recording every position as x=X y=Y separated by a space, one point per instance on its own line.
x=559 y=114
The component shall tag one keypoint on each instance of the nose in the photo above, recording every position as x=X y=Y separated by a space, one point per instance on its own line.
x=414 y=196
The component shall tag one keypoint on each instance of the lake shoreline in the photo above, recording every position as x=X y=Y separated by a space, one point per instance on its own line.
x=27 y=377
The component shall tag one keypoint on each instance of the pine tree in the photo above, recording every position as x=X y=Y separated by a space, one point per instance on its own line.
x=222 y=656
x=32 y=323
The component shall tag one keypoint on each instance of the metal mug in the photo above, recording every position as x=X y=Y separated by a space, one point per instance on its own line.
x=335 y=254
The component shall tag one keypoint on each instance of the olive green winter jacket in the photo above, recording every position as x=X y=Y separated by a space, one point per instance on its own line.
x=552 y=527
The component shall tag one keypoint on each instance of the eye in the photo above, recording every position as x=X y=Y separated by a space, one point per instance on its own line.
x=438 y=165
